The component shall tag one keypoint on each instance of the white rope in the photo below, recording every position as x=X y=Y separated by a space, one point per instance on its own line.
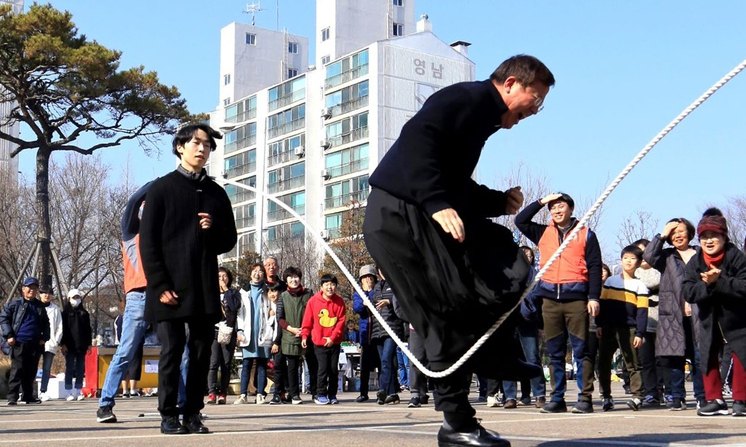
x=583 y=221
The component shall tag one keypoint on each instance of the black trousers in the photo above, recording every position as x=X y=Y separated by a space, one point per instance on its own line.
x=328 y=375
x=280 y=370
x=313 y=368
x=294 y=363
x=369 y=361
x=417 y=380
x=24 y=361
x=221 y=359
x=652 y=380
x=173 y=338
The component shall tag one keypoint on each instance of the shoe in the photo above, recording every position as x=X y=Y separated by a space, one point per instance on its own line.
x=634 y=403
x=321 y=400
x=714 y=408
x=104 y=414
x=275 y=400
x=193 y=423
x=126 y=395
x=526 y=401
x=70 y=397
x=555 y=407
x=380 y=397
x=701 y=402
x=540 y=402
x=261 y=399
x=627 y=389
x=45 y=397
x=80 y=397
x=583 y=407
x=424 y=399
x=333 y=400
x=510 y=403
x=650 y=402
x=668 y=399
x=677 y=404
x=212 y=399
x=739 y=408
x=491 y=402
x=32 y=402
x=170 y=425
x=414 y=402
x=296 y=400
x=480 y=436
x=12 y=403
x=241 y=400
x=135 y=394
x=392 y=399
x=607 y=404
x=482 y=398
x=285 y=398
x=221 y=399
x=362 y=398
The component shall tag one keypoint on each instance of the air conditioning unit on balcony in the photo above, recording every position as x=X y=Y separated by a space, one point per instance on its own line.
x=326 y=144
x=326 y=113
x=325 y=235
x=300 y=151
x=325 y=174
x=224 y=174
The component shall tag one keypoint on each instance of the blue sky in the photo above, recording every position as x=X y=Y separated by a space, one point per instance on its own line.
x=623 y=70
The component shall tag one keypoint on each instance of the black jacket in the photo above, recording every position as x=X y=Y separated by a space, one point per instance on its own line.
x=176 y=254
x=382 y=291
x=76 y=328
x=12 y=315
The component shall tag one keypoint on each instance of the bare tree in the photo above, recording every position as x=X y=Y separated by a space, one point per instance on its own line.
x=533 y=186
x=641 y=224
x=294 y=249
x=349 y=247
x=17 y=231
x=735 y=212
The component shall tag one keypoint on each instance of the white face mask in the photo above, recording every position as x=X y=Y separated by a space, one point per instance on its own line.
x=74 y=302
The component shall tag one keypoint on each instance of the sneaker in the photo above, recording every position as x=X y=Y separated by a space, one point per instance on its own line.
x=32 y=401
x=135 y=394
x=275 y=400
x=126 y=395
x=333 y=400
x=380 y=397
x=414 y=402
x=607 y=404
x=212 y=399
x=540 y=402
x=221 y=399
x=261 y=399
x=392 y=399
x=45 y=397
x=491 y=401
x=650 y=402
x=677 y=404
x=12 y=403
x=104 y=414
x=668 y=399
x=70 y=397
x=362 y=398
x=555 y=407
x=296 y=400
x=241 y=400
x=321 y=400
x=634 y=403
x=80 y=397
x=285 y=398
x=739 y=408
x=714 y=408
x=526 y=401
x=510 y=403
x=583 y=407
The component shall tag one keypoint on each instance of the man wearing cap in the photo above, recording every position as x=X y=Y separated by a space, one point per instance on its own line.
x=570 y=289
x=369 y=355
x=25 y=326
x=46 y=297
x=76 y=341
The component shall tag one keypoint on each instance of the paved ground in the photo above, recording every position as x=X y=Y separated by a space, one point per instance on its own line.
x=350 y=424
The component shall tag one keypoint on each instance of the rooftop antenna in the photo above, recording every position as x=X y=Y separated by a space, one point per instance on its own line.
x=253 y=8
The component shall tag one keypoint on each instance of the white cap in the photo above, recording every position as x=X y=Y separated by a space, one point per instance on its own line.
x=73 y=292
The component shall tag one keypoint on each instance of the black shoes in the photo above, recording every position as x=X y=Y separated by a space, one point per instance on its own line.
x=170 y=425
x=391 y=399
x=414 y=402
x=193 y=424
x=555 y=407
x=361 y=398
x=105 y=414
x=380 y=397
x=479 y=437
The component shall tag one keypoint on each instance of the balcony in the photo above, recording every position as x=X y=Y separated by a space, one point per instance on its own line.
x=286 y=128
x=241 y=117
x=284 y=185
x=349 y=137
x=347 y=168
x=240 y=144
x=240 y=170
x=282 y=157
x=245 y=222
x=346 y=76
x=345 y=199
x=349 y=106
x=241 y=195
x=287 y=99
x=282 y=214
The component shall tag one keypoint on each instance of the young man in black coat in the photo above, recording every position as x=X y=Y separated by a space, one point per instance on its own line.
x=187 y=223
x=427 y=226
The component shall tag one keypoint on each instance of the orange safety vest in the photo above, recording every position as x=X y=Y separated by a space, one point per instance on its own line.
x=134 y=275
x=570 y=267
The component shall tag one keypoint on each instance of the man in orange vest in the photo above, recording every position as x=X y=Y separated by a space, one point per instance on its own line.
x=570 y=289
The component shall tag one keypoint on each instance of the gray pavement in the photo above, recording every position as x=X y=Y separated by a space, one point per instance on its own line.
x=61 y=423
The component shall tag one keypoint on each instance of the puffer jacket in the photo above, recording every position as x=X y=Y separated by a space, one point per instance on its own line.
x=383 y=291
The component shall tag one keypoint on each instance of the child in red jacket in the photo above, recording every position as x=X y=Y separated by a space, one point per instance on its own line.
x=324 y=321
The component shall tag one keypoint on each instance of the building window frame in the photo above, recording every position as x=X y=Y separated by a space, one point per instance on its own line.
x=250 y=39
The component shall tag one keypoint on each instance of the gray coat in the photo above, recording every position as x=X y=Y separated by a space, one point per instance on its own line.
x=670 y=340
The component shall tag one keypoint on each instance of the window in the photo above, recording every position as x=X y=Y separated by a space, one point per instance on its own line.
x=227 y=101
x=398 y=29
x=226 y=79
x=325 y=34
x=250 y=39
x=292 y=72
x=325 y=60
x=398 y=2
x=293 y=47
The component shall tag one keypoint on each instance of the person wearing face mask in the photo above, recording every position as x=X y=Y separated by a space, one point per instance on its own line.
x=76 y=341
x=715 y=280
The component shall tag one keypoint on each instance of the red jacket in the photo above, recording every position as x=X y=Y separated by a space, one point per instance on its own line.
x=324 y=318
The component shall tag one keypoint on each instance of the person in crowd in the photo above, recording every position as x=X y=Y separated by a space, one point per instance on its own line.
x=715 y=280
x=670 y=341
x=352 y=334
x=290 y=308
x=428 y=227
x=76 y=343
x=621 y=323
x=25 y=327
x=46 y=297
x=272 y=272
x=382 y=299
x=187 y=223
x=570 y=289
x=369 y=361
x=221 y=358
x=324 y=323
x=273 y=331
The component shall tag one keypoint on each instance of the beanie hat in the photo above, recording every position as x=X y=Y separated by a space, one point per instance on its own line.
x=713 y=220
x=563 y=198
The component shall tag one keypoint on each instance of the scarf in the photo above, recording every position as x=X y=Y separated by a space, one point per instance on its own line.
x=713 y=261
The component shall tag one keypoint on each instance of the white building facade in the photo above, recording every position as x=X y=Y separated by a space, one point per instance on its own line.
x=313 y=140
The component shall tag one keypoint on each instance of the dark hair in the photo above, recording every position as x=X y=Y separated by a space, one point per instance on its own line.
x=632 y=250
x=185 y=134
x=292 y=271
x=562 y=198
x=526 y=69
x=606 y=267
x=228 y=273
x=255 y=265
x=644 y=242
x=273 y=287
x=328 y=278
x=533 y=255
x=690 y=230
